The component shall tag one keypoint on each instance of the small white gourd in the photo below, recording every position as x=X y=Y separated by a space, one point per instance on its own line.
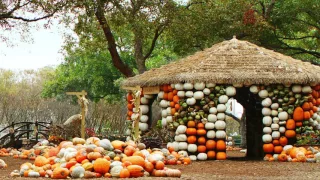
x=143 y=126
x=266 y=111
x=209 y=126
x=267 y=138
x=206 y=91
x=306 y=89
x=223 y=99
x=202 y=156
x=266 y=102
x=275 y=135
x=199 y=86
x=211 y=134
x=267 y=130
x=213 y=110
x=188 y=86
x=263 y=94
x=191 y=101
x=296 y=89
x=198 y=95
x=283 y=116
x=220 y=125
x=178 y=86
x=189 y=94
x=220 y=134
x=210 y=85
x=183 y=146
x=181 y=94
x=221 y=116
x=192 y=148
x=230 y=91
x=254 y=89
x=267 y=120
x=221 y=108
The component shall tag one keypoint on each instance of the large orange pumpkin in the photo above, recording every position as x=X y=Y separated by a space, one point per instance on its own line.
x=148 y=166
x=221 y=145
x=201 y=132
x=283 y=141
x=268 y=148
x=135 y=171
x=60 y=173
x=282 y=157
x=202 y=140
x=210 y=144
x=211 y=154
x=298 y=114
x=201 y=149
x=41 y=161
x=277 y=149
x=124 y=173
x=306 y=106
x=53 y=152
x=159 y=165
x=290 y=133
x=192 y=139
x=101 y=165
x=135 y=160
x=290 y=124
x=306 y=115
x=221 y=156
x=191 y=131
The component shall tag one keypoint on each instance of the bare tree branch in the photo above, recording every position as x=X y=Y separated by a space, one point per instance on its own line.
x=157 y=34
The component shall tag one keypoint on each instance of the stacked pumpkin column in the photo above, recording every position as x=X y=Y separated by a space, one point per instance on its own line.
x=288 y=112
x=133 y=112
x=196 y=113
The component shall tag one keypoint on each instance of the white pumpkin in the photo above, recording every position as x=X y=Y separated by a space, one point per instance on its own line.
x=127 y=132
x=275 y=120
x=202 y=156
x=223 y=99
x=212 y=118
x=282 y=123
x=178 y=86
x=220 y=125
x=296 y=89
x=267 y=130
x=144 y=118
x=78 y=172
x=181 y=94
x=183 y=146
x=283 y=116
x=188 y=86
x=183 y=154
x=210 y=85
x=192 y=148
x=274 y=113
x=282 y=129
x=199 y=86
x=206 y=91
x=180 y=138
x=211 y=134
x=266 y=102
x=263 y=94
x=213 y=110
x=164 y=113
x=115 y=171
x=191 y=101
x=275 y=106
x=254 y=89
x=198 y=95
x=267 y=138
x=164 y=122
x=181 y=129
x=163 y=103
x=77 y=140
x=231 y=91
x=144 y=100
x=169 y=119
x=275 y=157
x=106 y=144
x=193 y=157
x=221 y=116
x=306 y=89
x=287 y=147
x=189 y=94
x=267 y=120
x=266 y=111
x=209 y=126
x=220 y=134
x=143 y=126
x=275 y=127
x=148 y=96
x=221 y=108
x=175 y=146
x=168 y=110
x=160 y=94
x=275 y=135
x=33 y=174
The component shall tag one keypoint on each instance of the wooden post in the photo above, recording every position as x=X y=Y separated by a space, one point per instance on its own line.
x=80 y=95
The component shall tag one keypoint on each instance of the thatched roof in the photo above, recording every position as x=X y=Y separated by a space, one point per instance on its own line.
x=231 y=62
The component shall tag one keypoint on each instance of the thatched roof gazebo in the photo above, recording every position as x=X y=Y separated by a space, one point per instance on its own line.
x=270 y=86
x=231 y=62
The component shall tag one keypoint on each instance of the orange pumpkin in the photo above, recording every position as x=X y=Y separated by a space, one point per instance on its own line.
x=277 y=149
x=293 y=152
x=135 y=160
x=135 y=171
x=290 y=124
x=129 y=150
x=306 y=115
x=176 y=99
x=318 y=102
x=211 y=154
x=221 y=156
x=201 y=149
x=282 y=157
x=268 y=148
x=200 y=126
x=118 y=144
x=101 y=165
x=283 y=141
x=186 y=160
x=81 y=155
x=70 y=164
x=192 y=139
x=170 y=96
x=191 y=124
x=94 y=155
x=298 y=124
x=60 y=173
x=201 y=140
x=130 y=106
x=124 y=173
x=210 y=144
x=306 y=106
x=41 y=161
x=191 y=131
x=148 y=166
x=298 y=114
x=276 y=142
x=201 y=132
x=177 y=107
x=159 y=165
x=290 y=133
x=221 y=145
x=129 y=97
x=165 y=96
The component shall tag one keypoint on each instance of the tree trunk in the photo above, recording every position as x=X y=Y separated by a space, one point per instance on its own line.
x=138 y=52
x=112 y=47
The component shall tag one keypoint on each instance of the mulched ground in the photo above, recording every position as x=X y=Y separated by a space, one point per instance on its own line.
x=229 y=169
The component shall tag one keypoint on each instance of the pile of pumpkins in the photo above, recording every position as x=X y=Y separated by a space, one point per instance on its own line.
x=288 y=112
x=196 y=113
x=94 y=158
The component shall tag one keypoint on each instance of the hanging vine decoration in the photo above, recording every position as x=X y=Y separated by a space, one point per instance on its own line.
x=136 y=117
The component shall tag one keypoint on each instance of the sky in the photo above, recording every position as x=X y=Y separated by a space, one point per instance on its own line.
x=43 y=50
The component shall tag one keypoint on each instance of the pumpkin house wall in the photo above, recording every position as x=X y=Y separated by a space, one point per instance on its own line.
x=196 y=112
